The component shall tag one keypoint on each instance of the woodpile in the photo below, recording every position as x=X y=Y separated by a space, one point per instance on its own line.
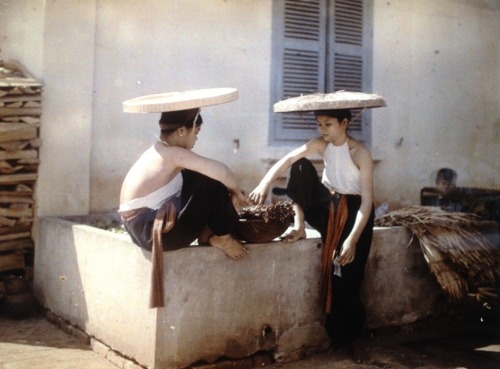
x=455 y=245
x=20 y=115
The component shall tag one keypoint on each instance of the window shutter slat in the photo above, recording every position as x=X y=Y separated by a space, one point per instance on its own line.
x=322 y=47
x=349 y=22
x=300 y=72
x=302 y=20
x=348 y=53
x=303 y=64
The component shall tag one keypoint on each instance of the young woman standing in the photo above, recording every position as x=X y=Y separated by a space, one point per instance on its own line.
x=340 y=207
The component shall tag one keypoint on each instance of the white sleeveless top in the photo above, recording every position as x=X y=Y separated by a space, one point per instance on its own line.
x=156 y=198
x=341 y=174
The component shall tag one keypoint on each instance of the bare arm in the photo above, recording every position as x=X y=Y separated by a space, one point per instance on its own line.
x=259 y=194
x=159 y=164
x=211 y=168
x=363 y=159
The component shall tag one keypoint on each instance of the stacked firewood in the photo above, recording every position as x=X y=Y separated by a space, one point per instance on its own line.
x=20 y=114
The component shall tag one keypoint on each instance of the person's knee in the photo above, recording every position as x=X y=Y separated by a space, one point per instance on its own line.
x=302 y=164
x=215 y=187
x=205 y=184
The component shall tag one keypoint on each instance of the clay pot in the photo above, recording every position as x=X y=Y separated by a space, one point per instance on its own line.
x=2 y=298
x=2 y=290
x=19 y=306
x=16 y=285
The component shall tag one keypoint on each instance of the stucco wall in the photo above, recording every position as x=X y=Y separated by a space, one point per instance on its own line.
x=435 y=62
x=55 y=41
x=96 y=54
x=173 y=46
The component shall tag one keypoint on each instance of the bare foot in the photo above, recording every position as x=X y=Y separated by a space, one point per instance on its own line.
x=229 y=245
x=359 y=353
x=294 y=235
x=299 y=231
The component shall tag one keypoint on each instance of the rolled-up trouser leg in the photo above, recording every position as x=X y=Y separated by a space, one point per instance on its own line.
x=205 y=202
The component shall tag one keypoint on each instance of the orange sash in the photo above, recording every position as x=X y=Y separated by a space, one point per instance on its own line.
x=336 y=223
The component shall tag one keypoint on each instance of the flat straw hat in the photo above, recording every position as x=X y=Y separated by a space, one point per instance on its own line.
x=334 y=100
x=173 y=101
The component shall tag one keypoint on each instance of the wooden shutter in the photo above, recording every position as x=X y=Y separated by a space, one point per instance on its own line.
x=346 y=54
x=301 y=67
x=320 y=46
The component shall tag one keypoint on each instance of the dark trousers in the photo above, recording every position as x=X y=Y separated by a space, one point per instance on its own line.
x=205 y=202
x=306 y=190
x=346 y=320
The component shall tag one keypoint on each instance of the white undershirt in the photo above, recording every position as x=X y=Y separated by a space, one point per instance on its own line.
x=156 y=198
x=341 y=174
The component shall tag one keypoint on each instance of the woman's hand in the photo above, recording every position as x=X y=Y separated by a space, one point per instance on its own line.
x=348 y=252
x=259 y=194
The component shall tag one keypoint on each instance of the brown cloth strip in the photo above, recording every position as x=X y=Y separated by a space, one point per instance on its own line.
x=336 y=223
x=164 y=221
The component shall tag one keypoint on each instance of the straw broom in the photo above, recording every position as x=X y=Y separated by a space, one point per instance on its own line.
x=463 y=260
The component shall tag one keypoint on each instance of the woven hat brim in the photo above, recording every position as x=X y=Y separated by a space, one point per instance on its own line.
x=173 y=101
x=335 y=100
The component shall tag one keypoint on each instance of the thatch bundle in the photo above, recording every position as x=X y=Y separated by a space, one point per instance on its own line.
x=463 y=260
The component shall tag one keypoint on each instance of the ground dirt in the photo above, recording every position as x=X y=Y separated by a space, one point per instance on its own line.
x=465 y=343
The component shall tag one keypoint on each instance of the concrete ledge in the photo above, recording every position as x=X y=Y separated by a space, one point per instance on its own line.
x=216 y=307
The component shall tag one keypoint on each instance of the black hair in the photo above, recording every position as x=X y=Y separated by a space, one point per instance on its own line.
x=340 y=114
x=172 y=120
x=446 y=174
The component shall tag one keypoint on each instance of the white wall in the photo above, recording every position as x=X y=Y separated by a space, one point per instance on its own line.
x=438 y=65
x=55 y=41
x=436 y=62
x=95 y=54
x=152 y=47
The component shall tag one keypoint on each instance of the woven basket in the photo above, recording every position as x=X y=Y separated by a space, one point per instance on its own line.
x=258 y=231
